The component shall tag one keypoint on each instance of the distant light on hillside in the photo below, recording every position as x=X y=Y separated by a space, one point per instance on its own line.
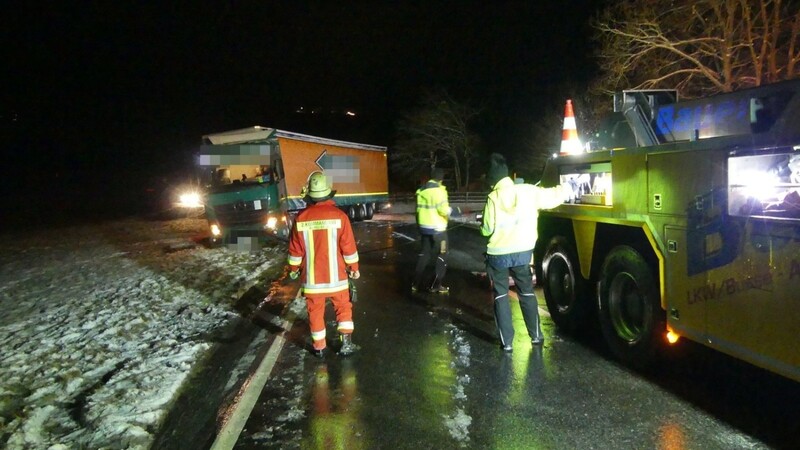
x=325 y=110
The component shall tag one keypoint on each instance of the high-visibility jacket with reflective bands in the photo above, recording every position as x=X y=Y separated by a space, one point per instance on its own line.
x=433 y=208
x=322 y=243
x=511 y=213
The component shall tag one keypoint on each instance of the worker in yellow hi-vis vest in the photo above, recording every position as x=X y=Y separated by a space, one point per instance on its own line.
x=509 y=221
x=433 y=213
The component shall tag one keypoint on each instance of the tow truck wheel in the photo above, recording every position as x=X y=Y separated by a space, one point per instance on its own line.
x=564 y=287
x=630 y=314
x=351 y=212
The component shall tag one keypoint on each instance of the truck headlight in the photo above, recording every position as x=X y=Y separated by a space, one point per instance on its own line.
x=190 y=200
x=272 y=221
x=215 y=230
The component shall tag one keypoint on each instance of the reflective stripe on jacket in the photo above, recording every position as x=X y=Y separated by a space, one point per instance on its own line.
x=322 y=242
x=433 y=208
x=511 y=212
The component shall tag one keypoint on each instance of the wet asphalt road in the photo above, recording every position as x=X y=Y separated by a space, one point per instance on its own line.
x=430 y=374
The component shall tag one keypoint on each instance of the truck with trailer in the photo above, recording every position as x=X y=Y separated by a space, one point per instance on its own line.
x=255 y=179
x=685 y=223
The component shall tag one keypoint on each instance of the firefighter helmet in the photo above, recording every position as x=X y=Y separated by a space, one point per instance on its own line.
x=318 y=187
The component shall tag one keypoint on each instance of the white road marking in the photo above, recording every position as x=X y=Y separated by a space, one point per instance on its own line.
x=251 y=390
x=395 y=233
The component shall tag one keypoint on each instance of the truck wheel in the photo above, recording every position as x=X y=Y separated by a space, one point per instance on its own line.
x=361 y=211
x=630 y=313
x=370 y=211
x=564 y=287
x=351 y=213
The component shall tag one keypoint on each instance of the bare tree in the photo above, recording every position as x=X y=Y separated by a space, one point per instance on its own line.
x=437 y=135
x=698 y=47
x=543 y=139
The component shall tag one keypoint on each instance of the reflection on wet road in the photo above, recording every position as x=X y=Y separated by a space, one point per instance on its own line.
x=334 y=419
x=430 y=374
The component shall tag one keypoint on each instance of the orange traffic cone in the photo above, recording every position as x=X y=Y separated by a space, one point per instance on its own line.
x=570 y=143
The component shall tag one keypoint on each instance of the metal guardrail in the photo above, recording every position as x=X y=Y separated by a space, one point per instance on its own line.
x=453 y=197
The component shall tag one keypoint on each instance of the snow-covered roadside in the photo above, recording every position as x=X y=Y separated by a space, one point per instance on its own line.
x=100 y=325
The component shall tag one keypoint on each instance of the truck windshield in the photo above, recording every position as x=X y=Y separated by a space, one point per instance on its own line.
x=236 y=185
x=220 y=179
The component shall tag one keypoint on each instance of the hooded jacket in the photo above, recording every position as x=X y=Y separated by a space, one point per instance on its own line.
x=511 y=213
x=433 y=208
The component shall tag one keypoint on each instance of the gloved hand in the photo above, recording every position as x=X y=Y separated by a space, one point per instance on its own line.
x=294 y=274
x=354 y=274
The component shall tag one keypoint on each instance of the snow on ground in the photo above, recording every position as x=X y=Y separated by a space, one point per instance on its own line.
x=458 y=423
x=101 y=324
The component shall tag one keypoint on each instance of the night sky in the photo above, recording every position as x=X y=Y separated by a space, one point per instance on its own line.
x=119 y=90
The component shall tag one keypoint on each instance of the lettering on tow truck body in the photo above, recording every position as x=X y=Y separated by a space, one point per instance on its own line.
x=729 y=287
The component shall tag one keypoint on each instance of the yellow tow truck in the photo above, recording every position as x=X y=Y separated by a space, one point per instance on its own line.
x=685 y=223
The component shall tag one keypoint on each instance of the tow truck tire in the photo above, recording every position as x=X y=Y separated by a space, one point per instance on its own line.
x=351 y=212
x=564 y=286
x=630 y=314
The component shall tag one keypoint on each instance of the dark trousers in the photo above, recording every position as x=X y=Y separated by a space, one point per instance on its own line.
x=433 y=246
x=523 y=279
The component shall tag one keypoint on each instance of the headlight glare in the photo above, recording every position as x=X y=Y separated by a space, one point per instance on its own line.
x=215 y=230
x=190 y=200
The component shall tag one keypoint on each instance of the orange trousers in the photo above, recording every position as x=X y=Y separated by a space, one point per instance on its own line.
x=316 y=316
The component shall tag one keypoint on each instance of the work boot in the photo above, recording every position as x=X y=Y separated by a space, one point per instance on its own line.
x=537 y=337
x=507 y=348
x=440 y=290
x=319 y=353
x=347 y=348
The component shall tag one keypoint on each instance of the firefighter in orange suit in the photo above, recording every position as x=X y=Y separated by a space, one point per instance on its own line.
x=322 y=243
